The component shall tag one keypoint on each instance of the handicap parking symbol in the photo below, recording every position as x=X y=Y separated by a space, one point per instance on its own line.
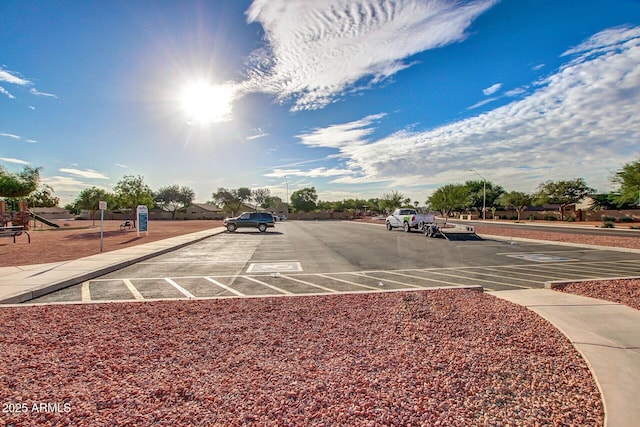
x=541 y=258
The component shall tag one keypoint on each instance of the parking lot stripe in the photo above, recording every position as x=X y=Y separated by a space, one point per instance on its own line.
x=370 y=276
x=529 y=268
x=309 y=283
x=275 y=288
x=136 y=294
x=185 y=292
x=223 y=286
x=475 y=272
x=85 y=292
x=347 y=282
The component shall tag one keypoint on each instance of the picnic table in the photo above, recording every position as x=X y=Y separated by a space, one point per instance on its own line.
x=13 y=231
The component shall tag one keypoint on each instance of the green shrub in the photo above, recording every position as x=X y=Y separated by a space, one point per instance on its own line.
x=513 y=217
x=627 y=219
x=608 y=224
x=550 y=218
x=532 y=217
x=571 y=219
x=609 y=219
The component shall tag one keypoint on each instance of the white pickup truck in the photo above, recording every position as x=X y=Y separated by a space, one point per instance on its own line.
x=408 y=219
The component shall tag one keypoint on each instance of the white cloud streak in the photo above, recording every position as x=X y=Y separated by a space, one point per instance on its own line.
x=87 y=173
x=16 y=161
x=581 y=121
x=6 y=93
x=10 y=135
x=6 y=76
x=492 y=89
x=317 y=51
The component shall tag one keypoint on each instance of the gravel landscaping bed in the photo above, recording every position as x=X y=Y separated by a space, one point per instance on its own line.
x=623 y=291
x=450 y=358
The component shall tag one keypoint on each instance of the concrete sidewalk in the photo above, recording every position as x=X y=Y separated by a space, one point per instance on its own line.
x=607 y=335
x=19 y=284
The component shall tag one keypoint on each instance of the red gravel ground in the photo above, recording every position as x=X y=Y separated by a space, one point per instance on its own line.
x=623 y=291
x=78 y=239
x=434 y=358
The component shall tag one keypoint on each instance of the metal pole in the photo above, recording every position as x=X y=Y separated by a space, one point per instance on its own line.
x=484 y=194
x=101 y=227
x=484 y=199
x=287 y=201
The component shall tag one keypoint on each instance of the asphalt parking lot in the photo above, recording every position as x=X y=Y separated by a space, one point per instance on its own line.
x=331 y=257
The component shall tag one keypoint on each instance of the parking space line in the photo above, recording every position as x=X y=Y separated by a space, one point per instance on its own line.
x=275 y=288
x=85 y=292
x=493 y=282
x=347 y=281
x=537 y=274
x=223 y=286
x=616 y=269
x=580 y=270
x=309 y=283
x=136 y=294
x=386 y=280
x=407 y=284
x=185 y=292
x=482 y=274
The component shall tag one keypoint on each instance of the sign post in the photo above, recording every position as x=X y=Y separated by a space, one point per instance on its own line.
x=102 y=206
x=142 y=213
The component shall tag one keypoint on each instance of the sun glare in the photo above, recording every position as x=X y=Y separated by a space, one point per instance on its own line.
x=204 y=104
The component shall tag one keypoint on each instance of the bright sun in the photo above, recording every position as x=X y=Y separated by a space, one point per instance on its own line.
x=204 y=104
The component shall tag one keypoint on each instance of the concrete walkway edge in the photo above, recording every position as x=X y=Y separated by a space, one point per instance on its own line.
x=606 y=334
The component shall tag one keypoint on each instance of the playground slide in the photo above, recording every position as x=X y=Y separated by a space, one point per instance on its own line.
x=43 y=220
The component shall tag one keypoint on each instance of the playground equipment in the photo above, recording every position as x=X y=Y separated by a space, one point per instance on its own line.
x=22 y=217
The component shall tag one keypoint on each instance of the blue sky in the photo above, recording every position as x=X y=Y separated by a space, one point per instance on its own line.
x=356 y=98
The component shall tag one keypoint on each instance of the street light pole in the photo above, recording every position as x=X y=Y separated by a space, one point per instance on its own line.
x=484 y=194
x=287 y=184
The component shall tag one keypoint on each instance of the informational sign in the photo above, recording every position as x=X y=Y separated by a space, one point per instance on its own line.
x=142 y=213
x=102 y=206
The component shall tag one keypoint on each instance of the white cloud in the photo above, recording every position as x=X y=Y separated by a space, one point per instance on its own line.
x=7 y=93
x=259 y=133
x=492 y=89
x=319 y=50
x=38 y=93
x=581 y=121
x=341 y=135
x=13 y=78
x=120 y=165
x=87 y=173
x=481 y=103
x=10 y=135
x=538 y=67
x=8 y=77
x=11 y=160
x=64 y=183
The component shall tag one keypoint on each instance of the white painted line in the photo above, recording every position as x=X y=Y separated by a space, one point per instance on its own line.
x=275 y=288
x=494 y=282
x=274 y=266
x=471 y=278
x=386 y=280
x=136 y=294
x=416 y=286
x=309 y=283
x=349 y=282
x=528 y=267
x=85 y=292
x=225 y=287
x=185 y=292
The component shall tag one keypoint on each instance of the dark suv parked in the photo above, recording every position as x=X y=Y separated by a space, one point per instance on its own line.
x=259 y=220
